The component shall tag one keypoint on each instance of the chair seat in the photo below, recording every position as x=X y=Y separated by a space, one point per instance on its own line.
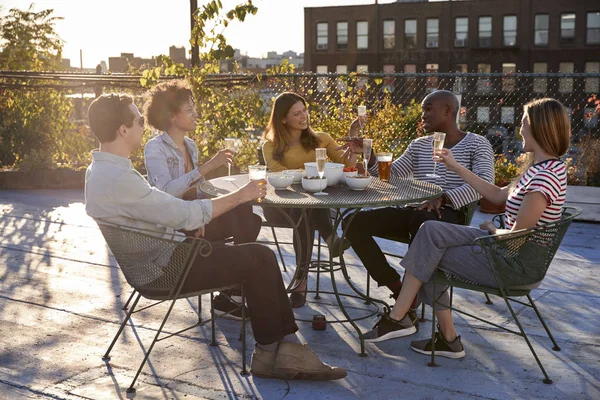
x=445 y=278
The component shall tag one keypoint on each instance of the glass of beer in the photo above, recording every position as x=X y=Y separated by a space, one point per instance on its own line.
x=321 y=161
x=438 y=145
x=257 y=172
x=384 y=162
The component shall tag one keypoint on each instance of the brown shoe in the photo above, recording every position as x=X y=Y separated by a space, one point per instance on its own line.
x=296 y=361
x=263 y=363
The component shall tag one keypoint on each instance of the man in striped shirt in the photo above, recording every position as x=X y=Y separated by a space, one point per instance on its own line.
x=440 y=109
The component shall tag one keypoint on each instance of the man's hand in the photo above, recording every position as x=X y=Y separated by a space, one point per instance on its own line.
x=432 y=205
x=253 y=190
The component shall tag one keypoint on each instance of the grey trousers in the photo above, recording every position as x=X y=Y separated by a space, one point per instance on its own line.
x=447 y=247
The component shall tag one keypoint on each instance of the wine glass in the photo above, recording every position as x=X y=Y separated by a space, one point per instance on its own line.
x=438 y=145
x=362 y=114
x=367 y=145
x=321 y=160
x=229 y=145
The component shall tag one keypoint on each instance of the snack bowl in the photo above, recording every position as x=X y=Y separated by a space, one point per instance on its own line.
x=280 y=181
x=297 y=174
x=359 y=182
x=349 y=174
x=333 y=171
x=314 y=184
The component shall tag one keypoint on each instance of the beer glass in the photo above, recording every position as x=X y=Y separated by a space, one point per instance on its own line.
x=384 y=162
x=257 y=172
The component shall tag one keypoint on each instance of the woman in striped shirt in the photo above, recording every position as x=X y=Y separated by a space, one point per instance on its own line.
x=536 y=199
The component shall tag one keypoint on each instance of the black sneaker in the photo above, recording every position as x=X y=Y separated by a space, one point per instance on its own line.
x=338 y=246
x=453 y=349
x=388 y=328
x=228 y=308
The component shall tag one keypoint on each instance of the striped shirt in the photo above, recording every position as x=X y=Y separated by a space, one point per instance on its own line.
x=473 y=152
x=547 y=177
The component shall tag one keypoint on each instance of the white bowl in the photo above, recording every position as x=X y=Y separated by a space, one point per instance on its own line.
x=359 y=182
x=349 y=174
x=297 y=174
x=280 y=181
x=333 y=171
x=314 y=185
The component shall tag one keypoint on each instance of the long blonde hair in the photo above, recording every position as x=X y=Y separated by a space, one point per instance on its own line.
x=276 y=131
x=550 y=125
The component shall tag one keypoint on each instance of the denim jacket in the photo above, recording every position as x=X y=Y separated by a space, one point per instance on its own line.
x=165 y=164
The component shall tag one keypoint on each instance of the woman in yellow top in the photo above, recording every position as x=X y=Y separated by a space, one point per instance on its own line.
x=289 y=142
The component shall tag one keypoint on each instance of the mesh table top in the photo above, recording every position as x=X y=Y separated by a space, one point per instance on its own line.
x=395 y=192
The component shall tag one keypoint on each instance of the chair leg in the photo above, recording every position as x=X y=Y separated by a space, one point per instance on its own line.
x=487 y=298
x=317 y=295
x=432 y=362
x=547 y=379
x=244 y=370
x=129 y=300
x=212 y=319
x=278 y=249
x=199 y=308
x=106 y=356
x=556 y=346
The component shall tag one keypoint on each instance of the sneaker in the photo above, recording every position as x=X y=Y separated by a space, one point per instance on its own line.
x=453 y=349
x=227 y=308
x=388 y=328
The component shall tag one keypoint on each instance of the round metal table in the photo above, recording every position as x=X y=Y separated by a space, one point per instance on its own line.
x=347 y=203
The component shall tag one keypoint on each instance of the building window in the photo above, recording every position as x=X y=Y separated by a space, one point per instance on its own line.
x=510 y=30
x=322 y=36
x=389 y=82
x=484 y=84
x=593 y=28
x=342 y=84
x=567 y=28
x=389 y=34
x=461 y=32
x=410 y=34
x=485 y=31
x=321 y=81
x=410 y=83
x=362 y=35
x=565 y=85
x=483 y=115
x=431 y=83
x=507 y=115
x=592 y=85
x=362 y=69
x=433 y=33
x=590 y=117
x=540 y=85
x=342 y=35
x=508 y=81
x=540 y=35
x=460 y=82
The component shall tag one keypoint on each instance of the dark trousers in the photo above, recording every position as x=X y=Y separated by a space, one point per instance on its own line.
x=270 y=311
x=318 y=219
x=400 y=224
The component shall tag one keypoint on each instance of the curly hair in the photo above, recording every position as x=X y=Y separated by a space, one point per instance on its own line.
x=164 y=100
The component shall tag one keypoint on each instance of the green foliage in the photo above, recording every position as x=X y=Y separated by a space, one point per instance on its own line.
x=505 y=170
x=35 y=130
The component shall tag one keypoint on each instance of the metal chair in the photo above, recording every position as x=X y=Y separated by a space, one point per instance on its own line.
x=519 y=262
x=156 y=268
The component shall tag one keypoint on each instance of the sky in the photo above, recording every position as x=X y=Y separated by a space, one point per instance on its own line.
x=107 y=28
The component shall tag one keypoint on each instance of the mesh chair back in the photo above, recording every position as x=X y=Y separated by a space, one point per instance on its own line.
x=524 y=259
x=149 y=262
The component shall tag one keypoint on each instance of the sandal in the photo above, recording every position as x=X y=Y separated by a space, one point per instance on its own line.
x=298 y=299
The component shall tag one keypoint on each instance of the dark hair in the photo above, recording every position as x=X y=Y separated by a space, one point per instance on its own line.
x=164 y=100
x=107 y=113
x=276 y=131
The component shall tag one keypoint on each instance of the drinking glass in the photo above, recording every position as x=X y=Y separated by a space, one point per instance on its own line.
x=321 y=160
x=229 y=145
x=384 y=162
x=438 y=145
x=367 y=145
x=257 y=172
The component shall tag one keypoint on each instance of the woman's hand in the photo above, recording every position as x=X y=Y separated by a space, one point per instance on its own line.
x=357 y=125
x=223 y=157
x=253 y=190
x=446 y=157
x=488 y=226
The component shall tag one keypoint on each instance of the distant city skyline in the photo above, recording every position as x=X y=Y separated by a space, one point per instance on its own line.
x=149 y=30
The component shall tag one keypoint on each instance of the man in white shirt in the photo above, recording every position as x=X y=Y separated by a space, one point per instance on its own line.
x=116 y=193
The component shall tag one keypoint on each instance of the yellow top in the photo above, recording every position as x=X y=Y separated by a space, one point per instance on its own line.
x=296 y=156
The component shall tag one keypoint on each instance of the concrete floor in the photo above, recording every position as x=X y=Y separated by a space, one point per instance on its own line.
x=62 y=294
